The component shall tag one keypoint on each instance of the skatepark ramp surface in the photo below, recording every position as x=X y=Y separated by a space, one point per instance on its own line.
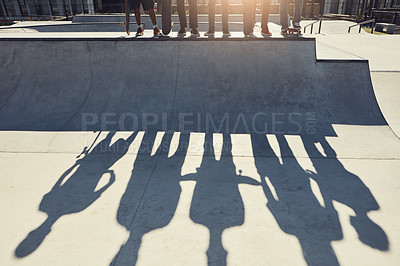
x=234 y=85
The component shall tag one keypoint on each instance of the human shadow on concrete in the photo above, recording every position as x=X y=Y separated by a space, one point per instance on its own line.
x=297 y=210
x=338 y=184
x=143 y=210
x=293 y=204
x=217 y=203
x=76 y=190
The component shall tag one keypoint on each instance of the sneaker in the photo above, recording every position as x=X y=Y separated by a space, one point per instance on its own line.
x=209 y=33
x=194 y=33
x=157 y=32
x=284 y=31
x=296 y=25
x=226 y=34
x=251 y=35
x=265 y=32
x=182 y=32
x=139 y=32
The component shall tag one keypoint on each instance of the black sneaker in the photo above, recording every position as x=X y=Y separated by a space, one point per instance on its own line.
x=194 y=33
x=139 y=32
x=157 y=32
x=182 y=32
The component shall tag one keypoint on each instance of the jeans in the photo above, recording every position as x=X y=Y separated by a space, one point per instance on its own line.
x=211 y=15
x=192 y=13
x=265 y=13
x=283 y=6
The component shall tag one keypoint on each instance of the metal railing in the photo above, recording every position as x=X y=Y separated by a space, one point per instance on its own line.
x=371 y=21
x=312 y=26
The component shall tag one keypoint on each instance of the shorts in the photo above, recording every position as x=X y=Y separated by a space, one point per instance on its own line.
x=146 y=4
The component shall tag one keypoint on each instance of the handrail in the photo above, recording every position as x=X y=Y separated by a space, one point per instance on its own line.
x=312 y=26
x=363 y=23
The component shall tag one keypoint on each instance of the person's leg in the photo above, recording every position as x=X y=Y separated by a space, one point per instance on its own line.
x=140 y=29
x=225 y=16
x=156 y=30
x=182 y=13
x=137 y=17
x=297 y=11
x=265 y=13
x=148 y=5
x=135 y=4
x=254 y=3
x=283 y=6
x=193 y=14
x=152 y=16
x=211 y=16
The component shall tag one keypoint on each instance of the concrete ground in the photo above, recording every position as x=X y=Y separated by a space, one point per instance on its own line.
x=97 y=198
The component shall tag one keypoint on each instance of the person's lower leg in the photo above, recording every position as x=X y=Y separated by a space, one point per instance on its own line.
x=211 y=16
x=265 y=13
x=225 y=16
x=152 y=15
x=137 y=17
x=283 y=13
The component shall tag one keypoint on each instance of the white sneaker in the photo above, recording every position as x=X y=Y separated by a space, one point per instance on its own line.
x=296 y=25
x=226 y=34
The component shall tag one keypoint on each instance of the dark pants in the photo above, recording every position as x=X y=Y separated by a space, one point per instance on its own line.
x=192 y=13
x=211 y=15
x=265 y=13
x=284 y=12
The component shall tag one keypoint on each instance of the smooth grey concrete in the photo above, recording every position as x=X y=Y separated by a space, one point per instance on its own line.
x=153 y=198
x=235 y=80
x=291 y=205
x=387 y=87
x=109 y=23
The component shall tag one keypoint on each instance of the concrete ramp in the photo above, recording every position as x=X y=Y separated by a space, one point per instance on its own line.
x=235 y=85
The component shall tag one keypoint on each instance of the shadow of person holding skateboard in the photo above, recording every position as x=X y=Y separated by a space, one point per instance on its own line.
x=152 y=194
x=217 y=203
x=76 y=189
x=293 y=203
x=338 y=184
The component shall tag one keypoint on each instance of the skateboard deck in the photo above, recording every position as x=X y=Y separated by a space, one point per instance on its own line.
x=166 y=16
x=127 y=17
x=292 y=32
x=248 y=17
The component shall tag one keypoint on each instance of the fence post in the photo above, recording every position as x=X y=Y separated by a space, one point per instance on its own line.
x=320 y=25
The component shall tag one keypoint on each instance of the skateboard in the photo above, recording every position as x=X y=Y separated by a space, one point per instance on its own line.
x=166 y=16
x=248 y=17
x=292 y=32
x=127 y=18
